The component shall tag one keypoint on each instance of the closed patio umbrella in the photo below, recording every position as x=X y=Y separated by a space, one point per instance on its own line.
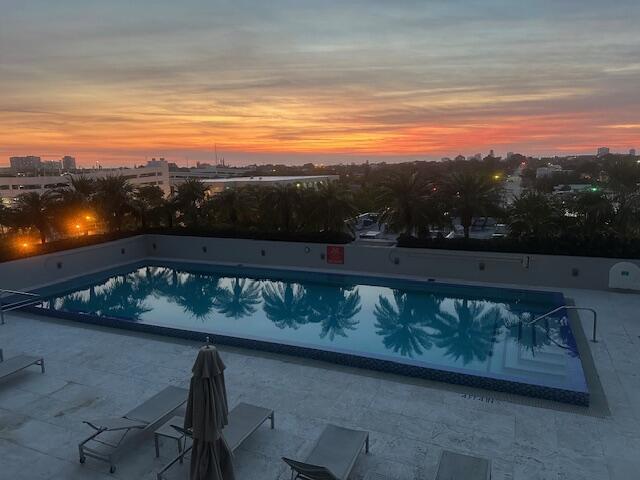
x=206 y=416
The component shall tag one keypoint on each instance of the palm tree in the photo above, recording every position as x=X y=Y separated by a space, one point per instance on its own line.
x=6 y=219
x=624 y=177
x=534 y=215
x=285 y=304
x=469 y=332
x=333 y=308
x=189 y=199
x=404 y=325
x=595 y=212
x=35 y=210
x=113 y=198
x=406 y=199
x=234 y=206
x=167 y=211
x=78 y=194
x=280 y=207
x=472 y=195
x=147 y=204
x=332 y=206
x=239 y=299
x=74 y=199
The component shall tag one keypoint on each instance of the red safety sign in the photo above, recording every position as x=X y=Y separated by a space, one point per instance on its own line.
x=335 y=254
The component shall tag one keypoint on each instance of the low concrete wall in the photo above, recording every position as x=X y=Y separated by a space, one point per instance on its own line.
x=43 y=270
x=505 y=268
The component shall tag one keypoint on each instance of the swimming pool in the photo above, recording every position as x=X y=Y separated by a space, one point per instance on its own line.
x=454 y=333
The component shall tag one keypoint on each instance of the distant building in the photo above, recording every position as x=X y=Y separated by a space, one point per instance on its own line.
x=51 y=166
x=180 y=175
x=632 y=152
x=509 y=155
x=68 y=163
x=602 y=151
x=573 y=189
x=157 y=163
x=217 y=185
x=27 y=164
x=11 y=187
x=460 y=158
x=491 y=153
x=551 y=170
x=477 y=156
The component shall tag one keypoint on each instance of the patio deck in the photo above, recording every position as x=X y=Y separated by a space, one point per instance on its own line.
x=96 y=372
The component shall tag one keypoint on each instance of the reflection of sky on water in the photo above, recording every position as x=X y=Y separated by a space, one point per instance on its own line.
x=461 y=327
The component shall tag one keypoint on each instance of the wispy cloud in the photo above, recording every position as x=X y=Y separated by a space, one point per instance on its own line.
x=119 y=80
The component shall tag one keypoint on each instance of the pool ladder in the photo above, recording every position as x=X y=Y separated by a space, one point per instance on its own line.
x=569 y=307
x=32 y=300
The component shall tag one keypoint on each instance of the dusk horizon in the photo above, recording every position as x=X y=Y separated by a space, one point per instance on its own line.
x=330 y=82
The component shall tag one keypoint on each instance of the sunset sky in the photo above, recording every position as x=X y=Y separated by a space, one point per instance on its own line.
x=325 y=81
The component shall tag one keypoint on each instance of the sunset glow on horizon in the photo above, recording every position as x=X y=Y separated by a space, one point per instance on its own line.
x=330 y=81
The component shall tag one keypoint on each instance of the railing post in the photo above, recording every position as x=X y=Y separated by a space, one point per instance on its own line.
x=1 y=313
x=595 y=325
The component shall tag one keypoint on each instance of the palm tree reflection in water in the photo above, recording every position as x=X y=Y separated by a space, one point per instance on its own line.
x=469 y=332
x=119 y=297
x=197 y=294
x=238 y=299
x=333 y=307
x=409 y=322
x=404 y=326
x=285 y=304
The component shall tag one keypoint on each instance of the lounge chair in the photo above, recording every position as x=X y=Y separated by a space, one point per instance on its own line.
x=244 y=419
x=333 y=456
x=142 y=417
x=20 y=362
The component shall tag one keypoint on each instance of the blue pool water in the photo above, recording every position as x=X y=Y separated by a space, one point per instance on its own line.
x=465 y=332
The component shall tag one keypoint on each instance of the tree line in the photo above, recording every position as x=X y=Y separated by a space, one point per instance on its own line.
x=409 y=202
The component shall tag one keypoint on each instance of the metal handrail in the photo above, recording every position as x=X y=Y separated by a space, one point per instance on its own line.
x=569 y=307
x=2 y=290
x=14 y=305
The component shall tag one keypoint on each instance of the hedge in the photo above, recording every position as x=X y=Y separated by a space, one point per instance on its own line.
x=608 y=246
x=8 y=251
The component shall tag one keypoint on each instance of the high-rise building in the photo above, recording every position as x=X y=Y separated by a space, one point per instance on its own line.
x=602 y=151
x=160 y=162
x=30 y=163
x=50 y=166
x=632 y=152
x=68 y=163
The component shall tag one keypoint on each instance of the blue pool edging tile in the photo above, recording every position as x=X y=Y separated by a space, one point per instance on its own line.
x=537 y=391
